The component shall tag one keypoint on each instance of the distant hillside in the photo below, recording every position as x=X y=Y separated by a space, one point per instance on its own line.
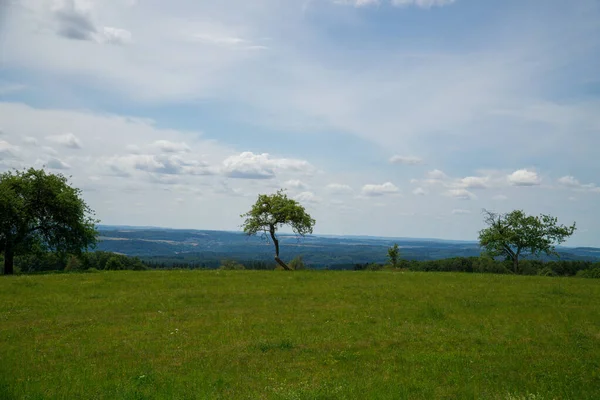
x=317 y=251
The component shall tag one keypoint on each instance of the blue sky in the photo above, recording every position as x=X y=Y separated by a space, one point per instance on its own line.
x=390 y=117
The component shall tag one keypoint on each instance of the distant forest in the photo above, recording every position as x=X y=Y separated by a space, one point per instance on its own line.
x=141 y=249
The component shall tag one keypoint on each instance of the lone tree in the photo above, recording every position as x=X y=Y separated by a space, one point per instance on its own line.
x=40 y=211
x=510 y=234
x=273 y=211
x=393 y=255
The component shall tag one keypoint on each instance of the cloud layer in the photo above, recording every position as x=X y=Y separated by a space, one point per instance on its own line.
x=387 y=117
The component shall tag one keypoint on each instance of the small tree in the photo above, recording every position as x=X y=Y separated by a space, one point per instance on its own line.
x=273 y=211
x=393 y=255
x=73 y=264
x=41 y=211
x=510 y=234
x=297 y=264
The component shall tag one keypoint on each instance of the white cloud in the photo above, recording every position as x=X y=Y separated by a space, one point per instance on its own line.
x=295 y=184
x=499 y=197
x=159 y=164
x=134 y=149
x=572 y=183
x=55 y=163
x=357 y=3
x=167 y=146
x=7 y=150
x=419 y=192
x=406 y=160
x=248 y=165
x=436 y=174
x=231 y=42
x=474 y=182
x=74 y=20
x=49 y=150
x=569 y=181
x=68 y=140
x=397 y=3
x=372 y=190
x=524 y=177
x=339 y=188
x=307 y=197
x=30 y=141
x=461 y=194
x=116 y=36
x=460 y=212
x=422 y=3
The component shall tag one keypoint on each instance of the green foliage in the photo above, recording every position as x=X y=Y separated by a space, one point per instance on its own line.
x=73 y=264
x=589 y=273
x=275 y=211
x=297 y=264
x=40 y=212
x=393 y=255
x=512 y=234
x=231 y=265
x=114 y=263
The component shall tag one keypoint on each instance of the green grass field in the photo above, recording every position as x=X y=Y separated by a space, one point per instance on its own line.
x=301 y=335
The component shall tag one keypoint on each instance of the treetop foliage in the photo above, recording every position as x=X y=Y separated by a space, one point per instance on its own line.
x=274 y=211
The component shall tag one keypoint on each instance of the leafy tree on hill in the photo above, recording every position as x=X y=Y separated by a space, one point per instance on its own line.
x=273 y=211
x=42 y=211
x=511 y=234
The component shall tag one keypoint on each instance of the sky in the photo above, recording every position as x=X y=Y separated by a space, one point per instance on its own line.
x=399 y=118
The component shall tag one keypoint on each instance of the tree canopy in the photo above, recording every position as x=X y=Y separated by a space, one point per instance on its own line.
x=42 y=212
x=512 y=234
x=271 y=212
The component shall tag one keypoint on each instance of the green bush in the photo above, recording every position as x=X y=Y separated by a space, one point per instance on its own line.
x=297 y=264
x=231 y=265
x=114 y=264
x=589 y=273
x=73 y=264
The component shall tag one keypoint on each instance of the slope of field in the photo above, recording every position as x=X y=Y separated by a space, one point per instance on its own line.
x=301 y=335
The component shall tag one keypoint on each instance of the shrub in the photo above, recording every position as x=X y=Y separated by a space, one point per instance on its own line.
x=589 y=273
x=114 y=264
x=297 y=264
x=73 y=264
x=231 y=265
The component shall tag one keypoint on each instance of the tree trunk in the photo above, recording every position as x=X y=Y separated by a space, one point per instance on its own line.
x=516 y=264
x=9 y=261
x=284 y=265
x=276 y=243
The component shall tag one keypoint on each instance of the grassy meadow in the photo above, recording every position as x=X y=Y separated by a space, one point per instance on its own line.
x=300 y=335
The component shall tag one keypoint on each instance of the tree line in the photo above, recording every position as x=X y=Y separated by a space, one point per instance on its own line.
x=46 y=225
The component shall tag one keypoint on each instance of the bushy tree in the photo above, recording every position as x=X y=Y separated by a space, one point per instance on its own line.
x=394 y=255
x=511 y=234
x=297 y=264
x=114 y=263
x=271 y=212
x=42 y=211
